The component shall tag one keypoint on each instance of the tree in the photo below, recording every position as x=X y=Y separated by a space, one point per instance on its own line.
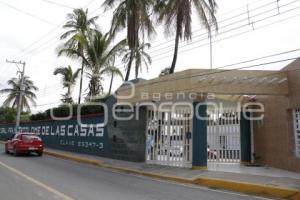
x=7 y=115
x=112 y=77
x=139 y=57
x=133 y=15
x=68 y=80
x=164 y=72
x=13 y=96
x=78 y=23
x=177 y=17
x=98 y=55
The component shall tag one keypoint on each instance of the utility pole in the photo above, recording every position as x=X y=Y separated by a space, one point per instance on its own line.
x=21 y=89
x=210 y=48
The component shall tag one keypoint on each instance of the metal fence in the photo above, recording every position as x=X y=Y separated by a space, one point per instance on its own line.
x=169 y=137
x=223 y=135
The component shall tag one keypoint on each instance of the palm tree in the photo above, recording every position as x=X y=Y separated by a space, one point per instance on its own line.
x=134 y=15
x=78 y=23
x=98 y=55
x=164 y=72
x=112 y=76
x=177 y=17
x=14 y=91
x=140 y=57
x=68 y=81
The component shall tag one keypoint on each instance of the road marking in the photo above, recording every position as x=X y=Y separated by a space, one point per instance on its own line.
x=46 y=187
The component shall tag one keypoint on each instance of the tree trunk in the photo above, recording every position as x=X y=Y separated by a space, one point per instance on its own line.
x=69 y=91
x=172 y=69
x=129 y=65
x=111 y=81
x=112 y=76
x=80 y=86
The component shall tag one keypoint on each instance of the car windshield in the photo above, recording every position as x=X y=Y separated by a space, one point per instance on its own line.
x=30 y=137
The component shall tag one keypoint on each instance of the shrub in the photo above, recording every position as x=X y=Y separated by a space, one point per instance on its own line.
x=7 y=115
x=64 y=111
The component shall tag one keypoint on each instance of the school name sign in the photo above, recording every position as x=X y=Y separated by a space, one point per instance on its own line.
x=88 y=137
x=87 y=130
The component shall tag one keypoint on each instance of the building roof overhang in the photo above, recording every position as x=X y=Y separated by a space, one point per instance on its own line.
x=230 y=83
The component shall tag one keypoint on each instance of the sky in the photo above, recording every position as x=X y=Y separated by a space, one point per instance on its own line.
x=248 y=29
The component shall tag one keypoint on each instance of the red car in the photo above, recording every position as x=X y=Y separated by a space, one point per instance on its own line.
x=24 y=143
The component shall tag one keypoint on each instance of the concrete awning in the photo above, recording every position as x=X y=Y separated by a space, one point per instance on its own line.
x=205 y=81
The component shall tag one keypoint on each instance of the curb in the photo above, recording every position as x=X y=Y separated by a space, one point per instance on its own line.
x=73 y=158
x=236 y=186
x=250 y=188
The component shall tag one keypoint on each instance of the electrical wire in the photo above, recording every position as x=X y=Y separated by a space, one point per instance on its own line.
x=26 y=13
x=27 y=48
x=57 y=4
x=171 y=40
x=226 y=71
x=210 y=73
x=246 y=24
x=168 y=51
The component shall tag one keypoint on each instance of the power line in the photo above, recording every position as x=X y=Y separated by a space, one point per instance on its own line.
x=182 y=46
x=170 y=40
x=38 y=47
x=246 y=24
x=26 y=13
x=225 y=38
x=245 y=12
x=152 y=47
x=40 y=39
x=228 y=70
x=262 y=64
x=239 y=27
x=244 y=62
x=58 y=4
x=260 y=58
x=23 y=51
x=228 y=37
x=210 y=73
x=44 y=45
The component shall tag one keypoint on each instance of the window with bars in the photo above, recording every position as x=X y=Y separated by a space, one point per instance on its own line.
x=297 y=131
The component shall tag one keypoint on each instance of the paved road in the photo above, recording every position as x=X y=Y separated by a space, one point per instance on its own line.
x=45 y=178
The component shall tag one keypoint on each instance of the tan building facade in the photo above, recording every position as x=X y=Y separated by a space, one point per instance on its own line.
x=274 y=137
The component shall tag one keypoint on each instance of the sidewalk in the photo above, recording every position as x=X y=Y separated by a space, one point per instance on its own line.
x=253 y=180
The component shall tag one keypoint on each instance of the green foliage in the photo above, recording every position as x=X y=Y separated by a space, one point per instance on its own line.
x=25 y=117
x=135 y=16
x=39 y=116
x=77 y=25
x=98 y=54
x=176 y=17
x=64 y=111
x=68 y=81
x=7 y=115
x=13 y=93
x=139 y=56
x=164 y=72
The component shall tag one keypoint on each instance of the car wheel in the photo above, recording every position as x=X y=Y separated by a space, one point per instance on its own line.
x=6 y=150
x=15 y=152
x=40 y=153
